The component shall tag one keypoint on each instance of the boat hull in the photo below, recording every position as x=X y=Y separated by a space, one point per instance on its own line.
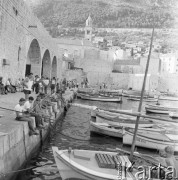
x=122 y=123
x=156 y=111
x=146 y=142
x=101 y=99
x=105 y=130
x=82 y=167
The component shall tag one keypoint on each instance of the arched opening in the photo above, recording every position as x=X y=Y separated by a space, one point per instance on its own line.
x=54 y=68
x=33 y=63
x=46 y=65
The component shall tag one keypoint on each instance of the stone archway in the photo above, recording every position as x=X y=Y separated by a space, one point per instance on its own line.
x=33 y=64
x=54 y=67
x=46 y=65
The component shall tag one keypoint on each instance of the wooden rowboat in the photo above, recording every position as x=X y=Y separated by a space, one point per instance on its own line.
x=106 y=129
x=99 y=98
x=115 y=116
x=90 y=165
x=173 y=115
x=156 y=109
x=95 y=110
x=159 y=107
x=151 y=140
x=152 y=110
x=144 y=100
x=116 y=131
x=123 y=122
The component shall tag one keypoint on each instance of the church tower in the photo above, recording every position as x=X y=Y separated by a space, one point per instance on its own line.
x=88 y=29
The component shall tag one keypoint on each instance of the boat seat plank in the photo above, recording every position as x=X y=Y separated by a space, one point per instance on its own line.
x=78 y=156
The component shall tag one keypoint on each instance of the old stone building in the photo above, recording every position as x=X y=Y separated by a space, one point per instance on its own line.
x=25 y=45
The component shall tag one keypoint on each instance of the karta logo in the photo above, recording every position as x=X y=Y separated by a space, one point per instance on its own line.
x=147 y=173
x=156 y=172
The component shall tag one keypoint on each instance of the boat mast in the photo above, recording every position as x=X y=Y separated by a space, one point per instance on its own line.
x=141 y=99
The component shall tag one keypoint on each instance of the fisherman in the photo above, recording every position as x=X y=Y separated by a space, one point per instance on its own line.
x=21 y=116
x=32 y=111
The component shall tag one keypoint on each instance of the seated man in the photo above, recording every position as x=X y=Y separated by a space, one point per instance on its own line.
x=21 y=116
x=28 y=108
x=38 y=110
x=2 y=87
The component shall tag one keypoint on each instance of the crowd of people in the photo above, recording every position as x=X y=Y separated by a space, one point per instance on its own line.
x=41 y=108
x=48 y=91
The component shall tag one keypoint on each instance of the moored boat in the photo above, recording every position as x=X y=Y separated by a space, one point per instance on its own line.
x=123 y=122
x=144 y=100
x=95 y=110
x=173 y=115
x=151 y=140
x=101 y=98
x=157 y=111
x=87 y=165
x=106 y=129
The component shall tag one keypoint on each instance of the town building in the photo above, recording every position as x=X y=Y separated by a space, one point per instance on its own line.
x=169 y=63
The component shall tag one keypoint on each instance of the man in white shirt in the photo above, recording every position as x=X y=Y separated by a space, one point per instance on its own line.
x=21 y=116
x=28 y=83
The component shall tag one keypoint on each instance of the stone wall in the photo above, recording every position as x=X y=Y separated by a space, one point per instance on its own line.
x=78 y=75
x=23 y=39
x=112 y=80
x=168 y=83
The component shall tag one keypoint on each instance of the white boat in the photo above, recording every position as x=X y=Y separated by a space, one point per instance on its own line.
x=173 y=115
x=101 y=98
x=108 y=113
x=116 y=116
x=144 y=99
x=116 y=131
x=83 y=164
x=159 y=107
x=151 y=140
x=95 y=110
x=168 y=98
x=156 y=109
x=106 y=129
x=123 y=123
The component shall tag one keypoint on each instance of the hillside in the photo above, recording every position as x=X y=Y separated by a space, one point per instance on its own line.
x=106 y=13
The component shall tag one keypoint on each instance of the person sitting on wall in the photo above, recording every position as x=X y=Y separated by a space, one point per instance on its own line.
x=21 y=116
x=2 y=87
x=31 y=110
x=13 y=87
x=19 y=85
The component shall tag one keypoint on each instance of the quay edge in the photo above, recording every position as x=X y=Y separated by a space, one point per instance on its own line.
x=17 y=147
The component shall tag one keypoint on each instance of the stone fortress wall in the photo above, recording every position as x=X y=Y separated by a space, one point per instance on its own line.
x=25 y=45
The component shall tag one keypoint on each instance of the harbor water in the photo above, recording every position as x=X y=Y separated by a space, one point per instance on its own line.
x=73 y=131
